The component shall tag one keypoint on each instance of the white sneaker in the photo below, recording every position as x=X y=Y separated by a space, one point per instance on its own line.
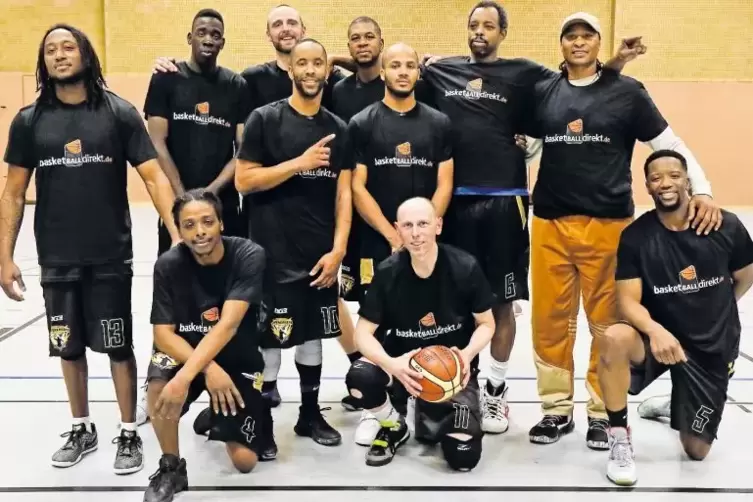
x=621 y=465
x=656 y=407
x=517 y=309
x=494 y=411
x=367 y=429
x=142 y=416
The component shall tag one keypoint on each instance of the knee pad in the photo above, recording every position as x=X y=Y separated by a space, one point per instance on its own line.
x=370 y=380
x=461 y=455
x=272 y=360
x=121 y=355
x=309 y=353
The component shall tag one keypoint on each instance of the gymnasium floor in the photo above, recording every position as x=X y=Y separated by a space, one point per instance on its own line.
x=33 y=411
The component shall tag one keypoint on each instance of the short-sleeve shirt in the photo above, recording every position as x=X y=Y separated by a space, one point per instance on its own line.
x=488 y=103
x=437 y=310
x=294 y=221
x=203 y=112
x=589 y=133
x=687 y=279
x=190 y=296
x=80 y=154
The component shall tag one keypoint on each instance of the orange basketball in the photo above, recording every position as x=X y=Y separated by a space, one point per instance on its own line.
x=442 y=373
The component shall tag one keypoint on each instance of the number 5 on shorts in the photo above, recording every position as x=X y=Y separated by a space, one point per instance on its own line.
x=702 y=418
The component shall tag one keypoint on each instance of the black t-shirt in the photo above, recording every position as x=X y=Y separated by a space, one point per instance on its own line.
x=401 y=152
x=267 y=83
x=80 y=153
x=437 y=310
x=488 y=103
x=190 y=296
x=294 y=221
x=687 y=279
x=203 y=112
x=350 y=95
x=588 y=134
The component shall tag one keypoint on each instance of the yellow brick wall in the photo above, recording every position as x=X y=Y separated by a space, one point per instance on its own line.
x=430 y=26
x=690 y=39
x=23 y=22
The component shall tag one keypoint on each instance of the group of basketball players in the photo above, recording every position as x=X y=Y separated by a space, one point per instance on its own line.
x=256 y=176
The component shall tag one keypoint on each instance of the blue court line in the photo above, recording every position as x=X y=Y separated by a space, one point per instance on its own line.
x=329 y=378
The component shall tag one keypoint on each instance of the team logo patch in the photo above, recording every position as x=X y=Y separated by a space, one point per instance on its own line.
x=59 y=336
x=346 y=283
x=163 y=361
x=282 y=328
x=256 y=378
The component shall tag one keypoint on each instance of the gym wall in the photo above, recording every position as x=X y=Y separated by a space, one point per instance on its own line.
x=698 y=67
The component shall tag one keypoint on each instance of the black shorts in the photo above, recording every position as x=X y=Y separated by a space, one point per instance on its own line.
x=88 y=306
x=233 y=223
x=247 y=427
x=459 y=415
x=350 y=285
x=295 y=313
x=494 y=229
x=699 y=389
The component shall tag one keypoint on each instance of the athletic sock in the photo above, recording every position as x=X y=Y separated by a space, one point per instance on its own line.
x=355 y=356
x=311 y=377
x=85 y=421
x=128 y=427
x=618 y=418
x=497 y=373
x=387 y=413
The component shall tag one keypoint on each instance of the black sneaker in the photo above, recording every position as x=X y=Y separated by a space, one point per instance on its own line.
x=79 y=443
x=129 y=457
x=351 y=403
x=269 y=450
x=203 y=422
x=389 y=438
x=170 y=478
x=551 y=428
x=597 y=437
x=311 y=424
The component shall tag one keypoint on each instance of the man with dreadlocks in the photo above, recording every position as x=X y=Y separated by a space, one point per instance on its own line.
x=79 y=137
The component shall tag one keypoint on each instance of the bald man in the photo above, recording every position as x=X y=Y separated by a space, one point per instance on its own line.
x=295 y=163
x=427 y=293
x=402 y=149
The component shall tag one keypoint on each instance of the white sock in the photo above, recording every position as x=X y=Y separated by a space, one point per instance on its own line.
x=387 y=413
x=85 y=421
x=497 y=373
x=128 y=427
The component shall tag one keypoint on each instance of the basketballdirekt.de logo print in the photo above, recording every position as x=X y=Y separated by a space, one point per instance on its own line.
x=474 y=90
x=201 y=116
x=74 y=155
x=575 y=135
x=403 y=158
x=688 y=282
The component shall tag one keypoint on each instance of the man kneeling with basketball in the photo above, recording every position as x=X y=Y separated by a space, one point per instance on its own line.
x=427 y=294
x=207 y=292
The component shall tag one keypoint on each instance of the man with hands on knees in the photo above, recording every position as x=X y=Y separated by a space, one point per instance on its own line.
x=205 y=310
x=428 y=293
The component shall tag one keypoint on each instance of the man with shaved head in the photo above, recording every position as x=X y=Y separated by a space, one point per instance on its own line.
x=295 y=165
x=427 y=293
x=402 y=149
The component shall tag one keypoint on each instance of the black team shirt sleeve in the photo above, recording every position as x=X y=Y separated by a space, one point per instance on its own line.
x=742 y=245
x=20 y=151
x=162 y=300
x=480 y=292
x=138 y=144
x=248 y=273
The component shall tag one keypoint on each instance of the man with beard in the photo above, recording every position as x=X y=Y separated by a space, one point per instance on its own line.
x=589 y=120
x=207 y=292
x=678 y=292
x=195 y=118
x=295 y=162
x=80 y=137
x=488 y=100
x=267 y=83
x=402 y=149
